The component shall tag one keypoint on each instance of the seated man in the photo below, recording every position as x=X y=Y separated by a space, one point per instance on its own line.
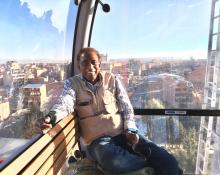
x=106 y=120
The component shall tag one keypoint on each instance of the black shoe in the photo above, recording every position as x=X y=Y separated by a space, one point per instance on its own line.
x=180 y=171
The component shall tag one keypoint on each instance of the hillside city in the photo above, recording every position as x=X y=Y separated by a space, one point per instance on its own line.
x=175 y=83
x=28 y=91
x=171 y=83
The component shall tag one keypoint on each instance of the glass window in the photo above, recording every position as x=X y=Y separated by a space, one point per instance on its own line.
x=160 y=51
x=180 y=136
x=35 y=54
x=158 y=48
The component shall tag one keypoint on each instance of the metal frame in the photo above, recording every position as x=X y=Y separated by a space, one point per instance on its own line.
x=83 y=29
x=178 y=112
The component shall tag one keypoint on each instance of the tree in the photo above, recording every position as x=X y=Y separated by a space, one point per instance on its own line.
x=154 y=104
x=187 y=155
x=151 y=104
x=30 y=120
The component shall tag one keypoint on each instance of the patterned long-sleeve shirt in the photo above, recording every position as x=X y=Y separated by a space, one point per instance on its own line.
x=67 y=100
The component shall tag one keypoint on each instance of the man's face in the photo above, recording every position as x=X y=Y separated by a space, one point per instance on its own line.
x=89 y=66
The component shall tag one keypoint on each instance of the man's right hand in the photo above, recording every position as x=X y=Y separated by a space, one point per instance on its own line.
x=43 y=124
x=132 y=138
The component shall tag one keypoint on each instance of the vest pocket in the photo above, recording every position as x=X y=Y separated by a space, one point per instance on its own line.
x=84 y=103
x=84 y=108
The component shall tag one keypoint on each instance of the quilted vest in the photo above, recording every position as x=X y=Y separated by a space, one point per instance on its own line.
x=97 y=112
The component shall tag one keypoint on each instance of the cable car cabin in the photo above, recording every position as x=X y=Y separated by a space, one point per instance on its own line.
x=166 y=54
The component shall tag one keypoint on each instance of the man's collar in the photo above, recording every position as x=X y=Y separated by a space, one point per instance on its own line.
x=85 y=80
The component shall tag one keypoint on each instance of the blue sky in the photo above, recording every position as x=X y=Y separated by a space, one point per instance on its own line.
x=36 y=29
x=32 y=30
x=154 y=28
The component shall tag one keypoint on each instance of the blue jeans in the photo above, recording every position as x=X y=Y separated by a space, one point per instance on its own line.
x=114 y=155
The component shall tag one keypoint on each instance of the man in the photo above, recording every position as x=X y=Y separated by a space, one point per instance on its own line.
x=106 y=120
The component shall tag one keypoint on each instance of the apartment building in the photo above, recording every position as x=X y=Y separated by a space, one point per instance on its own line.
x=14 y=74
x=4 y=110
x=34 y=94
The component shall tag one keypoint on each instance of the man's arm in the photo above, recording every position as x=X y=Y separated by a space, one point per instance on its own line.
x=63 y=107
x=65 y=103
x=125 y=106
x=127 y=113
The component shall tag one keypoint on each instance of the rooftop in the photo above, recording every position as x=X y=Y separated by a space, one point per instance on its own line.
x=33 y=86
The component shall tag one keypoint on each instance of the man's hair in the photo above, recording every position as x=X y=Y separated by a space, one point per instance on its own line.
x=86 y=52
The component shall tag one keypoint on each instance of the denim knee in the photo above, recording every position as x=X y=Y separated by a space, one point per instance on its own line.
x=108 y=161
x=114 y=159
x=164 y=162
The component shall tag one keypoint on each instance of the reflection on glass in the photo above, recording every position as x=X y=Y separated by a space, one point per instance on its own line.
x=35 y=55
x=158 y=57
x=167 y=59
x=169 y=83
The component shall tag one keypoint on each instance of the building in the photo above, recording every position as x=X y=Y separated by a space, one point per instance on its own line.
x=14 y=74
x=106 y=64
x=168 y=93
x=34 y=94
x=4 y=110
x=183 y=94
x=135 y=67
